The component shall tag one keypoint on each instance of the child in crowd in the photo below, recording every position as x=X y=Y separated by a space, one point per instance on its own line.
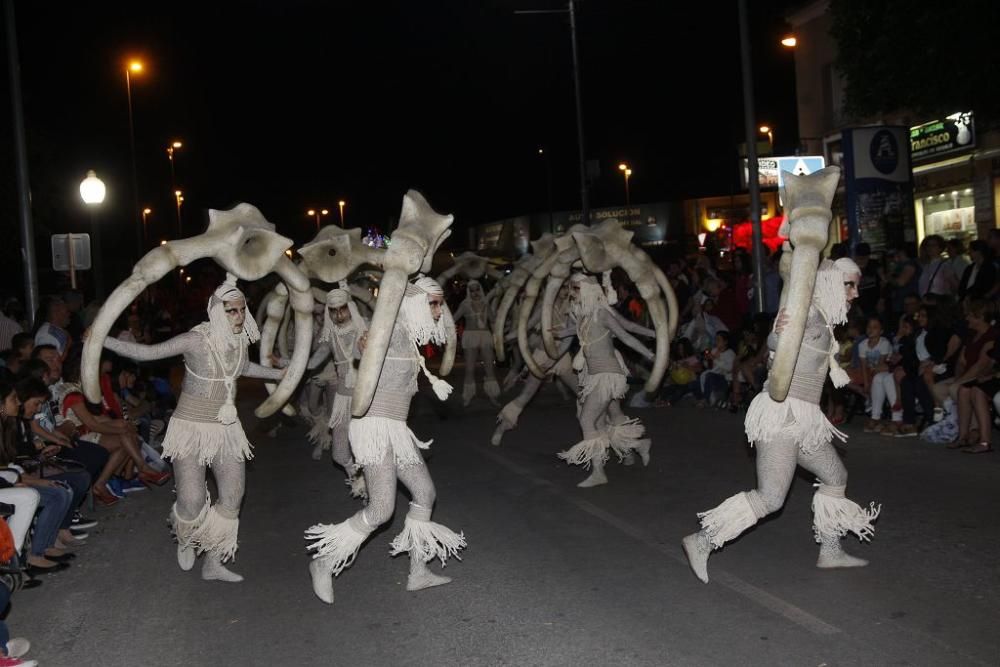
x=874 y=352
x=714 y=388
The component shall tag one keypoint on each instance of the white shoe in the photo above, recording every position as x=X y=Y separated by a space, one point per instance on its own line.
x=185 y=557
x=322 y=580
x=596 y=478
x=17 y=647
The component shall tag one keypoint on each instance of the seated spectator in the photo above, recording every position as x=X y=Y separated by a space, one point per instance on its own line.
x=877 y=379
x=112 y=434
x=23 y=345
x=47 y=551
x=54 y=317
x=974 y=374
x=714 y=380
x=684 y=370
x=910 y=386
x=845 y=335
x=974 y=359
x=751 y=364
x=703 y=327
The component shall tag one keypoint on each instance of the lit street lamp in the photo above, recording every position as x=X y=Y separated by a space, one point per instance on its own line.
x=627 y=172
x=178 y=198
x=769 y=131
x=92 y=191
x=318 y=214
x=789 y=41
x=174 y=145
x=341 y=204
x=133 y=67
x=145 y=218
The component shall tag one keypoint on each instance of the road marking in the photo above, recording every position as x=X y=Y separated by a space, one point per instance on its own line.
x=757 y=595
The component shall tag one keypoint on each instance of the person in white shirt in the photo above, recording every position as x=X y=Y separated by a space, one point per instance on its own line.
x=715 y=380
x=874 y=354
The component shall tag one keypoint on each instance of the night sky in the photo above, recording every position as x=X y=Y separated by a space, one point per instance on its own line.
x=294 y=104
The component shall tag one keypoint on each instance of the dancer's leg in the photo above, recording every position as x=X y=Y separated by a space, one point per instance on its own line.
x=422 y=538
x=191 y=507
x=219 y=535
x=593 y=420
x=469 y=388
x=336 y=545
x=490 y=386
x=626 y=434
x=775 y=468
x=507 y=419
x=833 y=514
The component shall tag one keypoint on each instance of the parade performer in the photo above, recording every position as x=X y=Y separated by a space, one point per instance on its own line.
x=342 y=330
x=602 y=381
x=387 y=450
x=561 y=369
x=205 y=430
x=785 y=422
x=477 y=343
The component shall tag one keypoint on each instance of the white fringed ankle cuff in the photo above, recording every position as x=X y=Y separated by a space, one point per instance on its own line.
x=425 y=540
x=184 y=529
x=728 y=520
x=585 y=451
x=338 y=544
x=836 y=515
x=218 y=533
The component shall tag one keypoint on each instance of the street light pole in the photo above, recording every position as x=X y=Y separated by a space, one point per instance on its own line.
x=626 y=171
x=341 y=204
x=21 y=160
x=751 y=139
x=317 y=213
x=179 y=197
x=548 y=186
x=133 y=66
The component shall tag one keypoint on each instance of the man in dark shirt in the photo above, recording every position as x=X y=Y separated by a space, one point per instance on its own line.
x=870 y=288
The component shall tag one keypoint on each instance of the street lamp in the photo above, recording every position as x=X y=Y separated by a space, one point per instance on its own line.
x=93 y=191
x=178 y=198
x=627 y=172
x=145 y=218
x=341 y=204
x=174 y=145
x=769 y=131
x=134 y=67
x=789 y=41
x=318 y=214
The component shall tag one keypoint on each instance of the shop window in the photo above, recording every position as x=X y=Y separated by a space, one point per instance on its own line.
x=951 y=213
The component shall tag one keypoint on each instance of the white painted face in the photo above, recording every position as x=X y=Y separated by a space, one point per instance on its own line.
x=851 y=283
x=236 y=313
x=340 y=314
x=436 y=303
x=475 y=291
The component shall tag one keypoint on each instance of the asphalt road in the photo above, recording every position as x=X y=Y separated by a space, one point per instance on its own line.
x=553 y=575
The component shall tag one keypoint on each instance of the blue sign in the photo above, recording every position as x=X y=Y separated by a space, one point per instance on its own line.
x=799 y=165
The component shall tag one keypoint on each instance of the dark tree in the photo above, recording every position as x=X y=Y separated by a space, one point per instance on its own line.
x=929 y=58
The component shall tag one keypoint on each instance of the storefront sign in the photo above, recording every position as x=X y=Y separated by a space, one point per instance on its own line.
x=879 y=185
x=769 y=169
x=954 y=133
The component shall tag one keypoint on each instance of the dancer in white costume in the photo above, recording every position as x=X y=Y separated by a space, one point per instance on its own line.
x=477 y=343
x=342 y=330
x=388 y=451
x=796 y=432
x=205 y=430
x=561 y=369
x=602 y=381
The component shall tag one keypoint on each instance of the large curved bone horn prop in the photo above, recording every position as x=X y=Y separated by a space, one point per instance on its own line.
x=451 y=344
x=608 y=245
x=469 y=265
x=302 y=306
x=334 y=254
x=273 y=317
x=241 y=240
x=565 y=252
x=420 y=231
x=541 y=249
x=808 y=200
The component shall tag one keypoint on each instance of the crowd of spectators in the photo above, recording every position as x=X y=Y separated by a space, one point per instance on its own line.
x=918 y=347
x=61 y=455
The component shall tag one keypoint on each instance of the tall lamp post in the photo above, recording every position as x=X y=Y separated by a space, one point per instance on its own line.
x=318 y=214
x=174 y=145
x=92 y=191
x=548 y=186
x=341 y=205
x=133 y=67
x=627 y=172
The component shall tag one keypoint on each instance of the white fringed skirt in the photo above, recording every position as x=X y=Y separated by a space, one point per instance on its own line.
x=794 y=419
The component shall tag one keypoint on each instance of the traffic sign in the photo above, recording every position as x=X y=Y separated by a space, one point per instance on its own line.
x=799 y=165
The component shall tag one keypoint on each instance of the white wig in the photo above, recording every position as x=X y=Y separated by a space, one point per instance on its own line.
x=592 y=296
x=829 y=294
x=220 y=332
x=416 y=313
